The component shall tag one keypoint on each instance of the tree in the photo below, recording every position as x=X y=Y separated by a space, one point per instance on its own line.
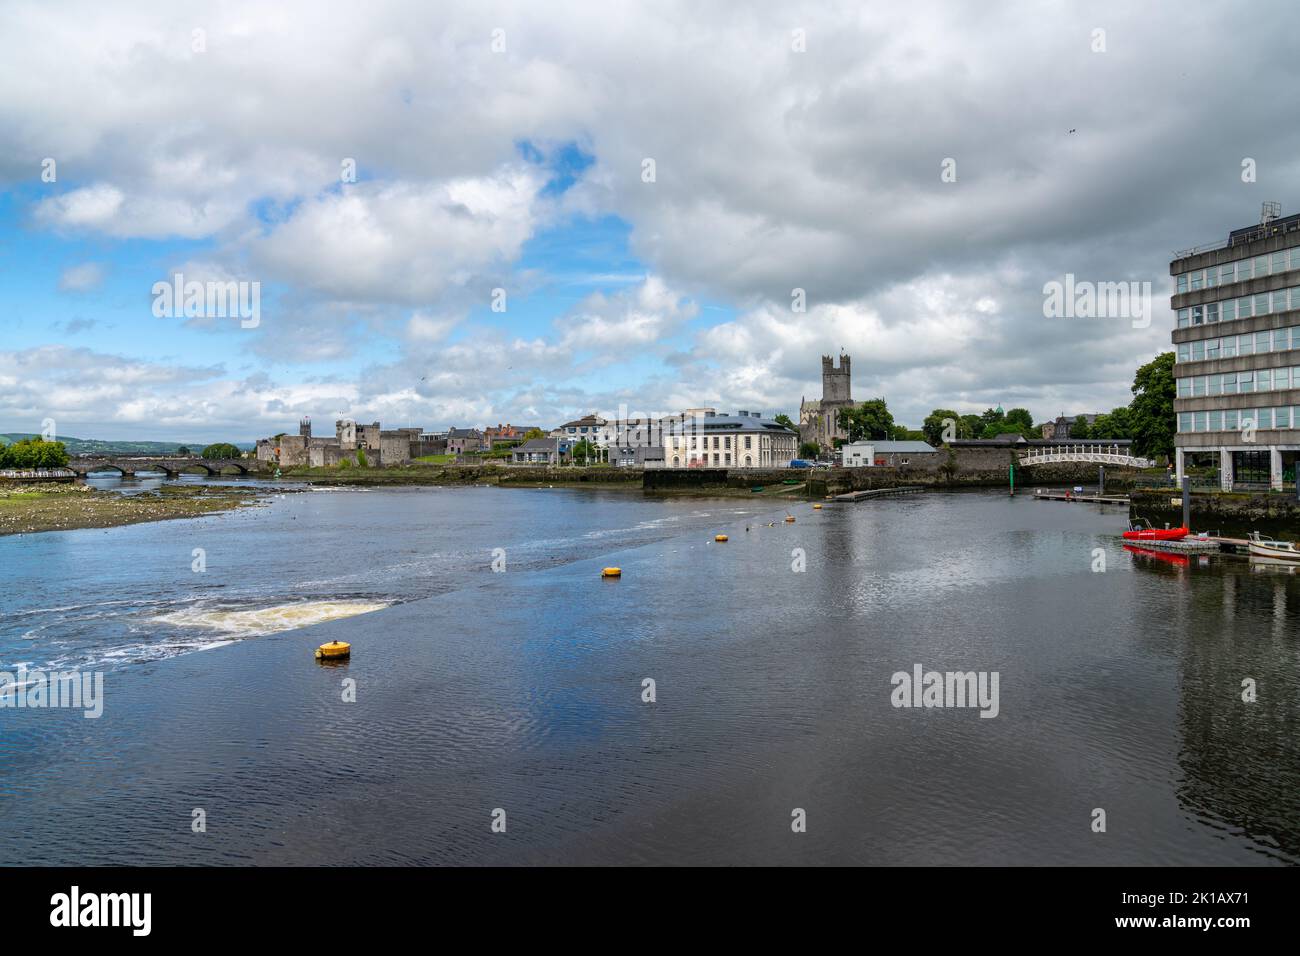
x=1080 y=428
x=362 y=460
x=870 y=421
x=33 y=452
x=534 y=433
x=1152 y=408
x=585 y=450
x=1117 y=423
x=784 y=419
x=933 y=426
x=183 y=450
x=809 y=449
x=1019 y=420
x=970 y=426
x=222 y=450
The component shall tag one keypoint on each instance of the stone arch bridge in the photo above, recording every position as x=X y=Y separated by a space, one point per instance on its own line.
x=171 y=467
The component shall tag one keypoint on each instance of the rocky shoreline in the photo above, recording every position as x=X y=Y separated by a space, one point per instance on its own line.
x=32 y=508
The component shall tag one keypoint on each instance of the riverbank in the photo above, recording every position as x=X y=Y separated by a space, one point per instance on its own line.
x=32 y=508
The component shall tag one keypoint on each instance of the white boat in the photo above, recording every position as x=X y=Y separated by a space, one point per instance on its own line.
x=1263 y=547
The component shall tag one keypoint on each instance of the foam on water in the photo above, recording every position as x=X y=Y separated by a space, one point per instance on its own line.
x=252 y=622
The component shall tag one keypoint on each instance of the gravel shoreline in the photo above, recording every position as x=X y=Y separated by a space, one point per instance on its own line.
x=32 y=508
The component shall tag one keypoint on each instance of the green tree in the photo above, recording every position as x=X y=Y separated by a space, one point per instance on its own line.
x=362 y=460
x=1019 y=420
x=1080 y=428
x=809 y=449
x=534 y=433
x=933 y=425
x=784 y=419
x=585 y=452
x=1152 y=408
x=970 y=426
x=870 y=421
x=222 y=450
x=183 y=450
x=34 y=452
x=1117 y=423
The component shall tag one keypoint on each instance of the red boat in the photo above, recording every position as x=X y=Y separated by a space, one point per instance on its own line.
x=1144 y=532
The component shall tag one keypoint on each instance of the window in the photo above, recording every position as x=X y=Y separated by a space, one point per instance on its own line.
x=1184 y=318
x=1245 y=382
x=1198 y=279
x=1228 y=310
x=1225 y=274
x=727 y=458
x=1184 y=388
x=748 y=459
x=1184 y=351
x=1216 y=421
x=1278 y=262
x=1212 y=312
x=1198 y=386
x=726 y=443
x=1198 y=315
x=1198 y=351
x=1184 y=421
x=1263 y=341
x=1230 y=383
x=1261 y=303
x=748 y=439
x=1263 y=380
x=1215 y=386
x=1182 y=282
x=1202 y=421
x=1230 y=420
x=1244 y=270
x=1261 y=266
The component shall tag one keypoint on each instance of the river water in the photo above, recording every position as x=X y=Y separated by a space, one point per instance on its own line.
x=1120 y=683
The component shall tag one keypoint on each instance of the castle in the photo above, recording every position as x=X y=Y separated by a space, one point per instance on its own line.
x=819 y=420
x=388 y=446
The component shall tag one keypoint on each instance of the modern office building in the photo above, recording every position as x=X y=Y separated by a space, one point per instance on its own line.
x=1237 y=354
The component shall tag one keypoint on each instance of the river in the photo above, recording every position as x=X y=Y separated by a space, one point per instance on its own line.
x=773 y=655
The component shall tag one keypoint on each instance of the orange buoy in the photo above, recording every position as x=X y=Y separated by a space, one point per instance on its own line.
x=719 y=537
x=612 y=573
x=789 y=519
x=817 y=507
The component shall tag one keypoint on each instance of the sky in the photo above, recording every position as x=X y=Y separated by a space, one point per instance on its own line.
x=459 y=214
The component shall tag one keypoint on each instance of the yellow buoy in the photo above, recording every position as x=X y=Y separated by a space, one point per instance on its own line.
x=817 y=507
x=789 y=518
x=611 y=573
x=334 y=650
x=719 y=537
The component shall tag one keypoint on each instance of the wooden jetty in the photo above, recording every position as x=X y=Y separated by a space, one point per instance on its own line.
x=877 y=493
x=1086 y=499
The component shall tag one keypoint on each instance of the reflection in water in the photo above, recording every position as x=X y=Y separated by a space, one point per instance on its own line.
x=1238 y=758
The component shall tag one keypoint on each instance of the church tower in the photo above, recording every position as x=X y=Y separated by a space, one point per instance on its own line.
x=836 y=384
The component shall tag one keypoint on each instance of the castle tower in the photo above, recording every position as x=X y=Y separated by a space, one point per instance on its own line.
x=836 y=386
x=304 y=427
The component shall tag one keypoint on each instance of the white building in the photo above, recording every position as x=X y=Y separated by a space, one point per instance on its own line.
x=865 y=454
x=743 y=440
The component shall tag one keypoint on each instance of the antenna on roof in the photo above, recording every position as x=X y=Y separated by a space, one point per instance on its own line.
x=1268 y=212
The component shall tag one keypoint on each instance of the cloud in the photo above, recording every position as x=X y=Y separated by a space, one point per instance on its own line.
x=775 y=169
x=82 y=278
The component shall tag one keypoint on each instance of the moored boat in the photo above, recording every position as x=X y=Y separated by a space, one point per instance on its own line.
x=1262 y=547
x=1141 y=530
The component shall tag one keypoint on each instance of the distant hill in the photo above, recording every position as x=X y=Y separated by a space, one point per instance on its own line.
x=94 y=446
